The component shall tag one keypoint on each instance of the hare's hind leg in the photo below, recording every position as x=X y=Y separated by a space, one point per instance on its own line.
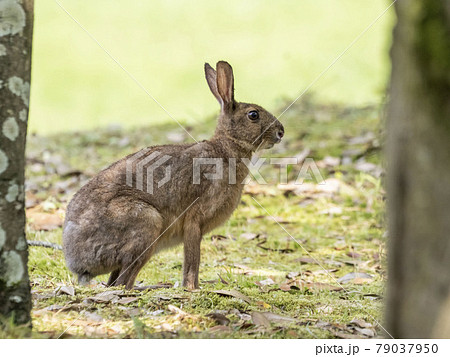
x=144 y=225
x=129 y=271
x=113 y=277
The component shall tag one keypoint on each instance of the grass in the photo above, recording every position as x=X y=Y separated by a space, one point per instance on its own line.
x=343 y=230
x=277 y=50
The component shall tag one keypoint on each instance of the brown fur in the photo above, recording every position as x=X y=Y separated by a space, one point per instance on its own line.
x=111 y=227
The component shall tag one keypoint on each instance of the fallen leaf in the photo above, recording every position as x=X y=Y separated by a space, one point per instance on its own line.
x=265 y=282
x=332 y=210
x=104 y=297
x=365 y=331
x=275 y=318
x=306 y=260
x=153 y=287
x=234 y=293
x=292 y=274
x=322 y=324
x=319 y=286
x=346 y=335
x=361 y=323
x=219 y=318
x=329 y=161
x=249 y=236
x=340 y=245
x=288 y=287
x=176 y=310
x=220 y=328
x=300 y=284
x=43 y=221
x=65 y=290
x=126 y=300
x=356 y=278
x=92 y=316
x=333 y=262
x=54 y=308
x=353 y=255
x=241 y=315
x=363 y=139
x=38 y=296
x=134 y=312
x=259 y=319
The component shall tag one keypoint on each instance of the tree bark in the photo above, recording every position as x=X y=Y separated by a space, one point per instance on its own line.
x=16 y=28
x=418 y=183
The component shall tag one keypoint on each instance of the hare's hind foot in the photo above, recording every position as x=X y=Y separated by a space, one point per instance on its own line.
x=84 y=279
x=128 y=272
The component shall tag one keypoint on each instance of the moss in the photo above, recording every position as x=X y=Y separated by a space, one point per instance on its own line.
x=240 y=262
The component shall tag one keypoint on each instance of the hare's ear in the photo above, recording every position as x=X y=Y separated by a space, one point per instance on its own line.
x=211 y=78
x=225 y=84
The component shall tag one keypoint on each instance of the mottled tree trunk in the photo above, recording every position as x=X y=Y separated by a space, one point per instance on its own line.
x=418 y=152
x=16 y=28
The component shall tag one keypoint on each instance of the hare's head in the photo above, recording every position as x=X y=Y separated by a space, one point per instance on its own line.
x=248 y=124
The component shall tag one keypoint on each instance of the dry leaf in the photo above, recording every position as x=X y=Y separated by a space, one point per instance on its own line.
x=306 y=260
x=43 y=221
x=220 y=328
x=92 y=316
x=292 y=274
x=153 y=287
x=365 y=331
x=65 y=290
x=176 y=310
x=272 y=317
x=234 y=293
x=353 y=255
x=265 y=282
x=300 y=284
x=361 y=323
x=106 y=296
x=220 y=319
x=126 y=300
x=356 y=278
x=319 y=286
x=259 y=319
x=346 y=335
x=249 y=236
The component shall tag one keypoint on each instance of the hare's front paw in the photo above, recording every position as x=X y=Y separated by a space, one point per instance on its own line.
x=190 y=282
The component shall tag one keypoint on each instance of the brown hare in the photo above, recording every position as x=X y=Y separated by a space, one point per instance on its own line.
x=127 y=213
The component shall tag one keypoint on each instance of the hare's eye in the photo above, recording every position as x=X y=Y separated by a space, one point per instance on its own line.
x=253 y=115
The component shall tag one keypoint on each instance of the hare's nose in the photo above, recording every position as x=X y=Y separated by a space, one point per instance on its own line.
x=280 y=134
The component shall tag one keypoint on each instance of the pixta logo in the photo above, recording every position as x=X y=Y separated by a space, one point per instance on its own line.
x=141 y=166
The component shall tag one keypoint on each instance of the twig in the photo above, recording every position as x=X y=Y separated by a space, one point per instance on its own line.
x=38 y=243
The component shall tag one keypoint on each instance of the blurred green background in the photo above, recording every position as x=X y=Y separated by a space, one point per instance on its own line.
x=276 y=48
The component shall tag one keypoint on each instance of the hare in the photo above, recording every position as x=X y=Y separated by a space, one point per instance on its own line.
x=131 y=210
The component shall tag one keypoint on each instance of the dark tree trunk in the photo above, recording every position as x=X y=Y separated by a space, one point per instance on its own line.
x=16 y=28
x=418 y=152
